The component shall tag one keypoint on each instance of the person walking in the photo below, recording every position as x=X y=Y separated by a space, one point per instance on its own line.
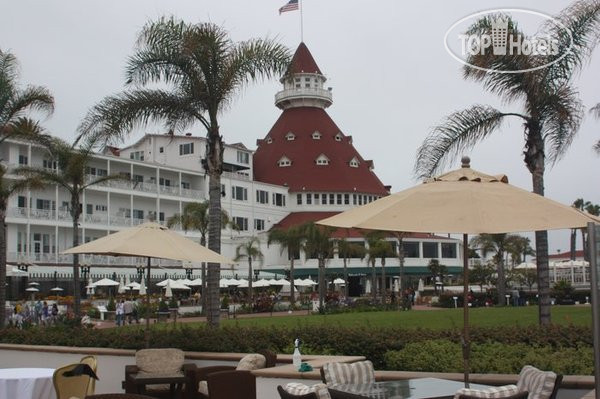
x=120 y=313
x=54 y=313
x=128 y=311
x=38 y=312
x=45 y=313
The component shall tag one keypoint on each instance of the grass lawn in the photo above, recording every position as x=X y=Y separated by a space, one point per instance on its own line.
x=435 y=319
x=432 y=319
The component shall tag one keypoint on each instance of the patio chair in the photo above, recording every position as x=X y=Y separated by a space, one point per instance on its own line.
x=67 y=387
x=197 y=376
x=118 y=396
x=235 y=384
x=532 y=383
x=93 y=363
x=348 y=373
x=296 y=390
x=156 y=361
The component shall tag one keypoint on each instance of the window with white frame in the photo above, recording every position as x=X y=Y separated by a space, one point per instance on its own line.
x=186 y=149
x=243 y=157
x=138 y=214
x=354 y=163
x=308 y=199
x=48 y=164
x=23 y=160
x=278 y=199
x=290 y=136
x=241 y=223
x=284 y=161
x=259 y=224
x=164 y=182
x=299 y=199
x=185 y=185
x=316 y=135
x=262 y=196
x=338 y=137
x=269 y=140
x=137 y=155
x=101 y=208
x=239 y=193
x=322 y=160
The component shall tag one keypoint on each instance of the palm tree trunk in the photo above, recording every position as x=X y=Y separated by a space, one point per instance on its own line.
x=292 y=289
x=203 y=277
x=76 y=285
x=346 y=277
x=501 y=286
x=573 y=243
x=250 y=293
x=383 y=285
x=401 y=258
x=214 y=166
x=322 y=288
x=2 y=266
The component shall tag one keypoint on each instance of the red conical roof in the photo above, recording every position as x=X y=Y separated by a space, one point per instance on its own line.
x=303 y=61
x=304 y=173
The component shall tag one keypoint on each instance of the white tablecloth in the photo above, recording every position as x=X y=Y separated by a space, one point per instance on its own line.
x=27 y=383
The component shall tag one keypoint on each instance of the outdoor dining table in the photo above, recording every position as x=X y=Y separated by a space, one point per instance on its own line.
x=417 y=388
x=27 y=383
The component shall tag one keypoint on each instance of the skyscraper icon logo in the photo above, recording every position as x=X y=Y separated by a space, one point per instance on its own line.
x=499 y=36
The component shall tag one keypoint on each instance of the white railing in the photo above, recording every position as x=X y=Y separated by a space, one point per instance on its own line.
x=17 y=212
x=93 y=260
x=120 y=221
x=235 y=175
x=305 y=92
x=41 y=213
x=99 y=218
x=189 y=193
x=138 y=221
x=64 y=215
x=169 y=190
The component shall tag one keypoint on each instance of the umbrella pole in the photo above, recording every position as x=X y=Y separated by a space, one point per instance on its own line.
x=147 y=332
x=466 y=344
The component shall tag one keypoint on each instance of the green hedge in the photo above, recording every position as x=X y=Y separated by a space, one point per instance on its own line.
x=492 y=357
x=573 y=342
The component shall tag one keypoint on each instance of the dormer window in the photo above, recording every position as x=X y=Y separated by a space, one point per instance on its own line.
x=269 y=140
x=316 y=135
x=338 y=137
x=284 y=161
x=290 y=136
x=322 y=160
x=354 y=163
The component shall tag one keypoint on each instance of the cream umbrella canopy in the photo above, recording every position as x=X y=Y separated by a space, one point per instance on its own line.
x=463 y=201
x=150 y=240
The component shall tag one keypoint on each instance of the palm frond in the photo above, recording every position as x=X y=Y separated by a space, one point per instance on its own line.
x=114 y=117
x=562 y=114
x=582 y=20
x=25 y=128
x=33 y=98
x=44 y=175
x=595 y=110
x=458 y=133
x=596 y=147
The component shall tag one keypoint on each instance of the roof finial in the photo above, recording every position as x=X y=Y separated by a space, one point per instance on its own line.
x=466 y=162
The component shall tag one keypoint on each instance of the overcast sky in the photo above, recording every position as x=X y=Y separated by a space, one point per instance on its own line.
x=391 y=76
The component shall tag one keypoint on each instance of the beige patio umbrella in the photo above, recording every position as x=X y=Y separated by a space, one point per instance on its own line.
x=463 y=201
x=150 y=240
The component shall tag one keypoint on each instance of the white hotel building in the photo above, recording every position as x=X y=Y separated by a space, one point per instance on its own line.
x=304 y=169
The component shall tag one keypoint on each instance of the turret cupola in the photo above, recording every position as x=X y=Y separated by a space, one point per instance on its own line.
x=303 y=83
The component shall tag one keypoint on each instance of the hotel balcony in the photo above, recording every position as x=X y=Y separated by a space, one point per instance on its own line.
x=303 y=96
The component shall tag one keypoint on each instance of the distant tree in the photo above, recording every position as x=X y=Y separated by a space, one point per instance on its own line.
x=289 y=240
x=519 y=247
x=348 y=249
x=318 y=244
x=15 y=105
x=525 y=276
x=377 y=247
x=437 y=270
x=249 y=250
x=481 y=274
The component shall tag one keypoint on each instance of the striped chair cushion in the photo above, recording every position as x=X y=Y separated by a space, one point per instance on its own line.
x=296 y=388
x=539 y=383
x=493 y=392
x=349 y=373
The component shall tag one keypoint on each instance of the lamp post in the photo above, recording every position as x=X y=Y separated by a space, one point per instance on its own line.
x=455 y=301
x=188 y=272
x=140 y=271
x=507 y=298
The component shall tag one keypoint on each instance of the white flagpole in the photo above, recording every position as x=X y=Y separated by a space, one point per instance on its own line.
x=301 y=22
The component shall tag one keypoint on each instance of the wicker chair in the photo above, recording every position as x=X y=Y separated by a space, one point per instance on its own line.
x=70 y=386
x=285 y=395
x=196 y=375
x=236 y=384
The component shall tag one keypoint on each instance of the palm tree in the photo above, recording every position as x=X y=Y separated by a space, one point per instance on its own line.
x=318 y=244
x=205 y=70
x=498 y=244
x=437 y=270
x=596 y=112
x=519 y=247
x=481 y=274
x=70 y=174
x=194 y=217
x=551 y=110
x=15 y=104
x=378 y=247
x=249 y=250
x=348 y=249
x=289 y=240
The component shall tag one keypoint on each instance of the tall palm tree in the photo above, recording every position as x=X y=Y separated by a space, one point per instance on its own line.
x=499 y=245
x=249 y=250
x=194 y=216
x=318 y=244
x=348 y=249
x=15 y=105
x=519 y=247
x=289 y=240
x=550 y=111
x=70 y=174
x=378 y=247
x=204 y=70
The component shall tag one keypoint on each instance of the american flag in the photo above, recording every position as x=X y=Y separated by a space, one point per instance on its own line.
x=290 y=6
